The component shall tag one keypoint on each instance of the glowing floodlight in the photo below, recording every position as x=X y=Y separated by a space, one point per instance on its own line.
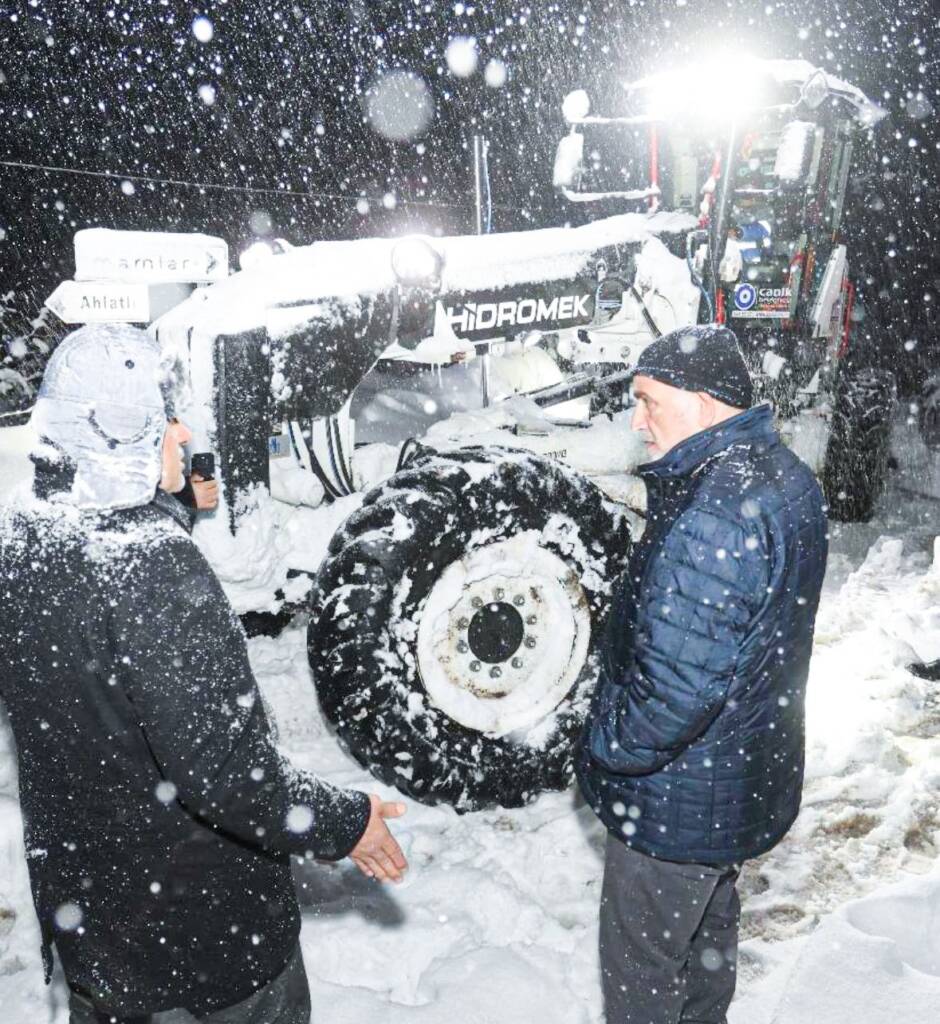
x=415 y=261
x=719 y=90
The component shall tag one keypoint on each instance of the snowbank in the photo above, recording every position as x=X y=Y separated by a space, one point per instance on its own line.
x=15 y=467
x=873 y=960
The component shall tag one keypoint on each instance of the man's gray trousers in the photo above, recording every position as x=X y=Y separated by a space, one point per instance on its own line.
x=668 y=939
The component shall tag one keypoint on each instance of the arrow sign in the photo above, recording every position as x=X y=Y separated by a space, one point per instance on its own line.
x=153 y=257
x=97 y=302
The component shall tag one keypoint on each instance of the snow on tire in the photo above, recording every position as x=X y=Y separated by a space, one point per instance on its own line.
x=454 y=620
x=856 y=462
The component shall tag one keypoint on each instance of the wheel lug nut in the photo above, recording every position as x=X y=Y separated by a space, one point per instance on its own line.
x=474 y=666
x=530 y=641
x=531 y=620
x=517 y=662
x=495 y=672
x=499 y=593
x=477 y=602
x=462 y=647
x=463 y=622
x=518 y=600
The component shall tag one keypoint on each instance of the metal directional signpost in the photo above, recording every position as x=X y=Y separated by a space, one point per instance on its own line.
x=154 y=257
x=134 y=276
x=95 y=302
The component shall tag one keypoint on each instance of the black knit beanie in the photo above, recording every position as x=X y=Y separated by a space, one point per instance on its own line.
x=706 y=358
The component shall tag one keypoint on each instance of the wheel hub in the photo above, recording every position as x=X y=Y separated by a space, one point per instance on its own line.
x=496 y=632
x=503 y=635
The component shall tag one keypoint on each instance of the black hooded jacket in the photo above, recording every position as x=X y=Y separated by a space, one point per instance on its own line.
x=158 y=816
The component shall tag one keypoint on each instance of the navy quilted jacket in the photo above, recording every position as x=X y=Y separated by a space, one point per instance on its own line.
x=693 y=750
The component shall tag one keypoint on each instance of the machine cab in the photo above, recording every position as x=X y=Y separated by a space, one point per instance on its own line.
x=759 y=152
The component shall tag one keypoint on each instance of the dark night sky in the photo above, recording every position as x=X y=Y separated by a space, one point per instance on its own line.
x=118 y=87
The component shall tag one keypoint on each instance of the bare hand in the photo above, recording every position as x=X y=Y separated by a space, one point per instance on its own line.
x=377 y=854
x=206 y=492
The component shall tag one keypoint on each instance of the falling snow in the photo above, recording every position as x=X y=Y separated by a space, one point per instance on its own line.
x=284 y=124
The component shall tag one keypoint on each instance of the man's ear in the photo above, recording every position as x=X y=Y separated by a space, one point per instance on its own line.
x=707 y=409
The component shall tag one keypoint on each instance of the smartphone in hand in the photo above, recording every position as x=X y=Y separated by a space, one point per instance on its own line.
x=203 y=463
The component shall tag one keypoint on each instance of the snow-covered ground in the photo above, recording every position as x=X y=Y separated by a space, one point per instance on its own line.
x=496 y=921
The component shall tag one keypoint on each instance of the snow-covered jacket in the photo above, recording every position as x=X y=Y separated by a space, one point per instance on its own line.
x=159 y=818
x=693 y=750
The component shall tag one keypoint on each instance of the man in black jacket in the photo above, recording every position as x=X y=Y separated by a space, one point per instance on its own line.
x=159 y=818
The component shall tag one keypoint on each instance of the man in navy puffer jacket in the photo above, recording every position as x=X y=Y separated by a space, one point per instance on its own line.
x=692 y=755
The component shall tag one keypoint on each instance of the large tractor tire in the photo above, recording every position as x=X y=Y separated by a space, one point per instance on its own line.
x=454 y=622
x=856 y=463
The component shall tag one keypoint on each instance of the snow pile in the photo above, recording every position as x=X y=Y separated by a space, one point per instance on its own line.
x=15 y=466
x=807 y=436
x=668 y=292
x=604 y=448
x=877 y=959
x=491 y=920
x=273 y=538
x=23 y=996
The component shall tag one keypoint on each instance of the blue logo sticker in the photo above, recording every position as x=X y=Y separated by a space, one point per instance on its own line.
x=278 y=446
x=745 y=295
